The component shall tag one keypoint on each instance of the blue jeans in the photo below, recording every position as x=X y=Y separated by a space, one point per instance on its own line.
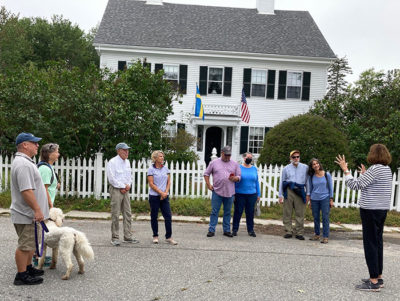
x=247 y=202
x=317 y=206
x=216 y=201
x=155 y=205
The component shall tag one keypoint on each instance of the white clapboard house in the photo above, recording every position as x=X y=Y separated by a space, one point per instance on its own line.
x=279 y=58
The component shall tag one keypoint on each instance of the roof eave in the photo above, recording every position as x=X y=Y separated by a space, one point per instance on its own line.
x=212 y=53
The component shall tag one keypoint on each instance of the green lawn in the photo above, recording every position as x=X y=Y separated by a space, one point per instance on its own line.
x=201 y=207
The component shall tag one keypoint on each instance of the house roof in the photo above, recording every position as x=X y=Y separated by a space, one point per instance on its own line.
x=178 y=26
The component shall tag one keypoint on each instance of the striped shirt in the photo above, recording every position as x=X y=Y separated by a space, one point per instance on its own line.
x=375 y=185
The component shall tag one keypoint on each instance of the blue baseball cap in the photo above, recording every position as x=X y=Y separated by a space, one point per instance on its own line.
x=122 y=145
x=22 y=137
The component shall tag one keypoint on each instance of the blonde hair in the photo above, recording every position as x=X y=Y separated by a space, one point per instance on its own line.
x=155 y=155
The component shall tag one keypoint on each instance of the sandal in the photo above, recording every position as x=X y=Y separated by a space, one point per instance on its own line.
x=314 y=238
x=324 y=240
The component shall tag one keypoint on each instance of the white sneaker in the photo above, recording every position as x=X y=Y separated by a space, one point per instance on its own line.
x=115 y=242
x=132 y=240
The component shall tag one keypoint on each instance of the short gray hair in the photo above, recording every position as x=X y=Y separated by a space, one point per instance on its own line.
x=246 y=153
x=46 y=150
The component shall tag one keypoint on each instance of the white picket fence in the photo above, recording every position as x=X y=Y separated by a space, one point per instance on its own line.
x=87 y=177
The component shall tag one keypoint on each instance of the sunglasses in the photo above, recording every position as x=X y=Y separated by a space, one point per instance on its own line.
x=295 y=157
x=227 y=155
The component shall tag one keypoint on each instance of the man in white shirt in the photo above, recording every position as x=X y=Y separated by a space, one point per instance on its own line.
x=119 y=176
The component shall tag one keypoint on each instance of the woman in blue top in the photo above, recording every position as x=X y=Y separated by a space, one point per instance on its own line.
x=246 y=196
x=159 y=180
x=320 y=192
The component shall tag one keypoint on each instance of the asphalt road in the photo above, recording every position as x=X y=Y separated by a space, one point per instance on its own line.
x=199 y=268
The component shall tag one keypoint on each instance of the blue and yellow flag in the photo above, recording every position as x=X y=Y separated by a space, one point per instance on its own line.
x=199 y=110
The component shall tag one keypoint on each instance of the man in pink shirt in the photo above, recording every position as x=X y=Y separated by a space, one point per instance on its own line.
x=225 y=173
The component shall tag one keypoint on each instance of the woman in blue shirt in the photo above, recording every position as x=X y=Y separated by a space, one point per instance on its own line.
x=247 y=193
x=320 y=192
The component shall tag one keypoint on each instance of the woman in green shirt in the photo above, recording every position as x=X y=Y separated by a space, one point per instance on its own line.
x=48 y=155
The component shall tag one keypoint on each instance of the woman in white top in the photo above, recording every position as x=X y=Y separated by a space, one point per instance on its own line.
x=376 y=188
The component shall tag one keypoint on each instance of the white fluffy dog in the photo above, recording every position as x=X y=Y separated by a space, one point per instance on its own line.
x=65 y=240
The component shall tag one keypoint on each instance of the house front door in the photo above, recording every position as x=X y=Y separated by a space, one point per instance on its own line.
x=213 y=139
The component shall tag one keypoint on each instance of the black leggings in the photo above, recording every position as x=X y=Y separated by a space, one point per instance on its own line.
x=372 y=224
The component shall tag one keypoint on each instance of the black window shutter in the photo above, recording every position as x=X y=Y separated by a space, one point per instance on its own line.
x=147 y=65
x=158 y=67
x=246 y=82
x=266 y=129
x=244 y=138
x=305 y=94
x=282 y=85
x=271 y=84
x=183 y=78
x=203 y=80
x=228 y=81
x=121 y=65
x=181 y=126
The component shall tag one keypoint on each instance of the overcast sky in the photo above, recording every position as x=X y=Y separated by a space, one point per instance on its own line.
x=366 y=31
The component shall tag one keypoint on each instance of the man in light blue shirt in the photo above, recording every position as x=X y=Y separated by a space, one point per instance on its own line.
x=293 y=196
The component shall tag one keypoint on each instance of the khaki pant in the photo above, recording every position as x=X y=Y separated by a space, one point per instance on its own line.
x=295 y=202
x=26 y=236
x=120 y=203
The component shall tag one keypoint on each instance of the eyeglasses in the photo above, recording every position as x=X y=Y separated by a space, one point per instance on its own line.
x=227 y=155
x=295 y=157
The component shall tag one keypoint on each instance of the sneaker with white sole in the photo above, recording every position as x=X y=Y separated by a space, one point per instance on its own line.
x=369 y=286
x=115 y=242
x=380 y=281
x=132 y=240
x=171 y=241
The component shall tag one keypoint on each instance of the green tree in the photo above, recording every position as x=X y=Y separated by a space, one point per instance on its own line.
x=177 y=149
x=368 y=113
x=36 y=40
x=314 y=136
x=337 y=72
x=60 y=40
x=14 y=46
x=85 y=111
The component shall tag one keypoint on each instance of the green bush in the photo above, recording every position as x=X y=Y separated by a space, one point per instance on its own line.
x=177 y=149
x=313 y=136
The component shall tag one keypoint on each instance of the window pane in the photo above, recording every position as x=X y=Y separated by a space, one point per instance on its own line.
x=259 y=77
x=171 y=72
x=256 y=139
x=214 y=87
x=215 y=74
x=293 y=92
x=294 y=79
x=258 y=90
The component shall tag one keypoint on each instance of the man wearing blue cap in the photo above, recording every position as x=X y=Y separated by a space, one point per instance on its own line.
x=119 y=174
x=28 y=205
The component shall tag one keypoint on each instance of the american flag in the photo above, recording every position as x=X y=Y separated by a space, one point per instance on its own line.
x=245 y=108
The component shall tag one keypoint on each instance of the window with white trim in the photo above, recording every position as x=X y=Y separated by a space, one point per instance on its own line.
x=171 y=73
x=256 y=139
x=215 y=80
x=294 y=80
x=169 y=131
x=258 y=82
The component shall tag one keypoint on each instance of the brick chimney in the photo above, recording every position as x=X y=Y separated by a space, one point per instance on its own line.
x=266 y=7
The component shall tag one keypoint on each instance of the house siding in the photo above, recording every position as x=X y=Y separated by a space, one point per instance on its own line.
x=264 y=112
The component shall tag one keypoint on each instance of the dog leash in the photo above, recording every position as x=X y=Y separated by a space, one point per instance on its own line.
x=44 y=228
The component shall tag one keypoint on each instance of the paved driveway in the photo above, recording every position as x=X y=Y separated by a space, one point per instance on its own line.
x=199 y=268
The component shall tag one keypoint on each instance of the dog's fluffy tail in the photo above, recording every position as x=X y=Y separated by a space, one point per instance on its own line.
x=83 y=246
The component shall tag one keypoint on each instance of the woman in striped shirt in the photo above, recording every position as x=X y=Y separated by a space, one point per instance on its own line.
x=376 y=188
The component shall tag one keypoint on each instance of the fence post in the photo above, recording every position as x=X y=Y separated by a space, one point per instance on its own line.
x=98 y=175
